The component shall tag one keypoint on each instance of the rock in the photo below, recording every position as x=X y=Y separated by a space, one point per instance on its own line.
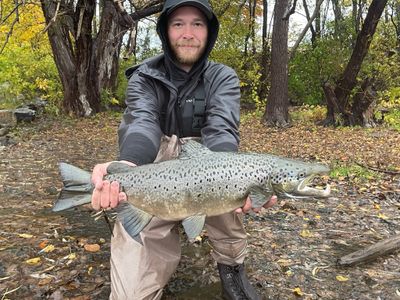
x=24 y=114
x=6 y=141
x=7 y=117
x=38 y=105
x=4 y=130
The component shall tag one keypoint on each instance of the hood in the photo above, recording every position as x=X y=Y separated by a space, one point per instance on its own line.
x=213 y=27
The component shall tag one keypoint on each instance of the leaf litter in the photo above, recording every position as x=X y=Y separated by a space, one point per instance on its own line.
x=293 y=247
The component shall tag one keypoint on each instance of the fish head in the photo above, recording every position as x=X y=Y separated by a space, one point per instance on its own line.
x=292 y=179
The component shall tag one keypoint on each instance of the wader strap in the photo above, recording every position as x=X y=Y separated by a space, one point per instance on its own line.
x=193 y=110
x=199 y=108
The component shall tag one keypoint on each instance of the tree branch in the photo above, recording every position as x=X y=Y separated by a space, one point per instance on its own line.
x=16 y=20
x=290 y=11
x=303 y=33
x=53 y=19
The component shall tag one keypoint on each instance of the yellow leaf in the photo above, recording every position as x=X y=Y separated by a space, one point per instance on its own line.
x=72 y=256
x=90 y=270
x=298 y=292
x=318 y=217
x=382 y=216
x=341 y=278
x=48 y=248
x=33 y=261
x=25 y=235
x=306 y=233
x=285 y=262
x=377 y=206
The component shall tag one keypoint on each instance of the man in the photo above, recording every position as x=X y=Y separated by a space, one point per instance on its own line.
x=177 y=93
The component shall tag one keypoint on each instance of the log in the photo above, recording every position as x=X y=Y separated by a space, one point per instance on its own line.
x=369 y=253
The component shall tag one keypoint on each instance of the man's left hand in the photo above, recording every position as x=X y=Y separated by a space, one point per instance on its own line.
x=248 y=205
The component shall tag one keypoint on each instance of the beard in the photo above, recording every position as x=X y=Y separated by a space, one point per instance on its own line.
x=187 y=53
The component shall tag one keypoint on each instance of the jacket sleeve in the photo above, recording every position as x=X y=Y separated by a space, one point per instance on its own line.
x=221 y=130
x=139 y=132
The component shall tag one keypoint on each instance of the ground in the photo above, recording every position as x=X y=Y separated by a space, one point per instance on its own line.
x=293 y=247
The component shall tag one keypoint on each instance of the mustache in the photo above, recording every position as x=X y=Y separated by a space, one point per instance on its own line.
x=194 y=45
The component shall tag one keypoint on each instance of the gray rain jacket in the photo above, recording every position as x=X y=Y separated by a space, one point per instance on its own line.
x=154 y=100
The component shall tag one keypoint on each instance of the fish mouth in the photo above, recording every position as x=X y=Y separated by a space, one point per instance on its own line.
x=303 y=189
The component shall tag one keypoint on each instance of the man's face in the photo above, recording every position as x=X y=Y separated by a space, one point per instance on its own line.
x=187 y=35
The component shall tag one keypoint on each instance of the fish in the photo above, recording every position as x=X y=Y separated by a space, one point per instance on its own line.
x=196 y=184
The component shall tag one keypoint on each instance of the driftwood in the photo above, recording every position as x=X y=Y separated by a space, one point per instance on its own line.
x=380 y=248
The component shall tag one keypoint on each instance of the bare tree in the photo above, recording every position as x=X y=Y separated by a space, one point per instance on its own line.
x=308 y=26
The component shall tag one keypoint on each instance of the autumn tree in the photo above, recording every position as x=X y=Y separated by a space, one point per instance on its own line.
x=86 y=50
x=338 y=96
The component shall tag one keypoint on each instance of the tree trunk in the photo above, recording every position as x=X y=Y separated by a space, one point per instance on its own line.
x=265 y=54
x=87 y=61
x=276 y=111
x=348 y=80
x=338 y=16
x=364 y=105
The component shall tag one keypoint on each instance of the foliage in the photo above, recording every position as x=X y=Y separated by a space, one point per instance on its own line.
x=230 y=50
x=308 y=113
x=27 y=70
x=316 y=64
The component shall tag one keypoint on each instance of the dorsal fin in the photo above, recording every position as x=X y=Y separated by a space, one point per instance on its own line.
x=118 y=167
x=192 y=148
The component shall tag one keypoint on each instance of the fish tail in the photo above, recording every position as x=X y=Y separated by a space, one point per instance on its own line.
x=77 y=188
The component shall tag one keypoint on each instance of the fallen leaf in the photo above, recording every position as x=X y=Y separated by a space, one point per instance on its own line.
x=45 y=281
x=47 y=249
x=382 y=216
x=298 y=292
x=33 y=261
x=306 y=233
x=341 y=278
x=43 y=244
x=25 y=235
x=92 y=247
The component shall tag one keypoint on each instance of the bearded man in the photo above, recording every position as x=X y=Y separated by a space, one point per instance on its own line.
x=178 y=93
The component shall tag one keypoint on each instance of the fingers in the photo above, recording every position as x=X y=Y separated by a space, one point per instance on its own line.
x=99 y=171
x=248 y=205
x=106 y=194
x=114 y=194
x=245 y=208
x=271 y=202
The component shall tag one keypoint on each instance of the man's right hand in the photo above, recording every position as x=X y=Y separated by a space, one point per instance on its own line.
x=106 y=194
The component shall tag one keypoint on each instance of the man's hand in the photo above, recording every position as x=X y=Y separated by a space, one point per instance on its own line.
x=247 y=206
x=106 y=194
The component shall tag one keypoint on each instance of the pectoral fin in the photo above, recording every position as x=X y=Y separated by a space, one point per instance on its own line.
x=193 y=226
x=259 y=196
x=133 y=219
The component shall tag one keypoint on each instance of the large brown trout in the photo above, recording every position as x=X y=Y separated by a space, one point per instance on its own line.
x=197 y=184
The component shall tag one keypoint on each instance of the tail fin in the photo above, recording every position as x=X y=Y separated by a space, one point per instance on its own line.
x=77 y=188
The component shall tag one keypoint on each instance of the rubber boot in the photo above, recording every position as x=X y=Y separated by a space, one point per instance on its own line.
x=235 y=285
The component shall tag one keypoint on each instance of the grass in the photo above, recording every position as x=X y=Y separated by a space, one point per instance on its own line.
x=353 y=172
